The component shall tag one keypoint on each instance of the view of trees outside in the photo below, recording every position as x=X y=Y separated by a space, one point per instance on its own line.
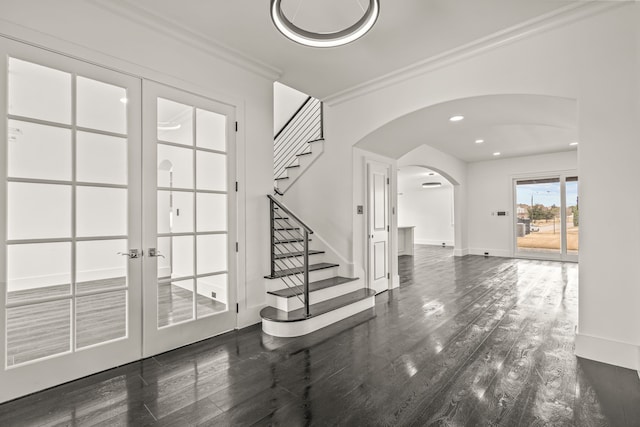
x=539 y=213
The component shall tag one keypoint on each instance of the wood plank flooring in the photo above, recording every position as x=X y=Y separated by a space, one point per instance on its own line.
x=467 y=341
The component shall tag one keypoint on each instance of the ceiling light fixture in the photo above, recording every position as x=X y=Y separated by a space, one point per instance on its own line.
x=431 y=184
x=456 y=118
x=573 y=144
x=479 y=141
x=313 y=39
x=497 y=153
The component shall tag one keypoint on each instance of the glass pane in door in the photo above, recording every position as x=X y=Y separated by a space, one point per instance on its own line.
x=538 y=226
x=67 y=278
x=573 y=215
x=192 y=212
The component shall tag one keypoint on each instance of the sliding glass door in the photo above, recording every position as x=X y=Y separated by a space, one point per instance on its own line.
x=547 y=217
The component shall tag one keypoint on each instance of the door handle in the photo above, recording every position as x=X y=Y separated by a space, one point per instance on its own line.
x=133 y=253
x=153 y=252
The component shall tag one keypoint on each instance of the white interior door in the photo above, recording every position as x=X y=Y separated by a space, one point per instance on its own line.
x=378 y=225
x=189 y=228
x=70 y=213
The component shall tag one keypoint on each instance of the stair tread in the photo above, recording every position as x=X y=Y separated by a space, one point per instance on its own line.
x=313 y=286
x=278 y=242
x=296 y=254
x=298 y=270
x=273 y=314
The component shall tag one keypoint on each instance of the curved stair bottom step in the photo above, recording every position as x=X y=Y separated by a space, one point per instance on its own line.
x=312 y=324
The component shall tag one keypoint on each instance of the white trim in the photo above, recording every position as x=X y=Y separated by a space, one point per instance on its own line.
x=504 y=253
x=557 y=18
x=608 y=351
x=395 y=282
x=131 y=11
x=304 y=327
x=460 y=252
x=432 y=242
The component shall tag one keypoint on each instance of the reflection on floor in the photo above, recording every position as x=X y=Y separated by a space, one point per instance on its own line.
x=465 y=341
x=175 y=304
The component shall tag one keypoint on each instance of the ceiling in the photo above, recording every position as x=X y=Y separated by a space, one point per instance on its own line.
x=407 y=31
x=411 y=178
x=513 y=125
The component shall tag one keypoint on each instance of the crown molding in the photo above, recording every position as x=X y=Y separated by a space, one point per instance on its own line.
x=562 y=16
x=127 y=9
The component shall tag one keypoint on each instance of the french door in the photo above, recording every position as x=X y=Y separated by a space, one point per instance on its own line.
x=547 y=217
x=188 y=178
x=70 y=215
x=106 y=256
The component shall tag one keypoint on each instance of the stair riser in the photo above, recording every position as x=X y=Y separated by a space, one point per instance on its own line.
x=314 y=276
x=296 y=329
x=293 y=303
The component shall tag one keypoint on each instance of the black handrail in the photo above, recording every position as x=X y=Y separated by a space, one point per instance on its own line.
x=284 y=233
x=291 y=118
x=291 y=214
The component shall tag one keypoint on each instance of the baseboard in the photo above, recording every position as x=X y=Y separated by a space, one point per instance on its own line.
x=608 y=351
x=249 y=316
x=492 y=252
x=460 y=252
x=433 y=242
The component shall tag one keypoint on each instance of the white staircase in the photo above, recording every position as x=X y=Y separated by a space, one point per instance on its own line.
x=304 y=291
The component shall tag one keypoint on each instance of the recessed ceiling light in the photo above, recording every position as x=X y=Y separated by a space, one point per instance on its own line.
x=124 y=100
x=168 y=126
x=479 y=141
x=431 y=184
x=456 y=118
x=574 y=143
x=497 y=153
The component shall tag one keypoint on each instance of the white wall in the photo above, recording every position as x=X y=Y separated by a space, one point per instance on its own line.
x=455 y=170
x=430 y=210
x=86 y=30
x=490 y=189
x=286 y=101
x=591 y=57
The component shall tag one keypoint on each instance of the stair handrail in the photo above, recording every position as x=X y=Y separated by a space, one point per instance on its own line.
x=291 y=214
x=292 y=117
x=307 y=231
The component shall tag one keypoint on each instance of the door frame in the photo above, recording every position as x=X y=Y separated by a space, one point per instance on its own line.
x=52 y=370
x=562 y=255
x=368 y=162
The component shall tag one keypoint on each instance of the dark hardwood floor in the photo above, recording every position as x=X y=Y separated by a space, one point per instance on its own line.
x=465 y=341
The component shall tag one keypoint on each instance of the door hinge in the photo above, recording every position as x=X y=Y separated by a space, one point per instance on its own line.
x=237 y=308
x=388 y=229
x=387 y=181
x=388 y=275
x=236 y=186
x=236 y=246
x=236 y=126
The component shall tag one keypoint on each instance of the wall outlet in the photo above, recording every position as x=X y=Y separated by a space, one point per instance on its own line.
x=486 y=254
x=213 y=295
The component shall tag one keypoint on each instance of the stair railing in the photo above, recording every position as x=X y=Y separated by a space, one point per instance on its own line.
x=306 y=125
x=290 y=250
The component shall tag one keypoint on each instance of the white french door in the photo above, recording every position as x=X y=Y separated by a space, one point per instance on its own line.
x=378 y=225
x=189 y=175
x=70 y=214
x=106 y=255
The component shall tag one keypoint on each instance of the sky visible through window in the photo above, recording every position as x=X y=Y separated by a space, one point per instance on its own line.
x=546 y=194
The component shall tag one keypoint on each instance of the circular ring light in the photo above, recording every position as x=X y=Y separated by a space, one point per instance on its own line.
x=338 y=38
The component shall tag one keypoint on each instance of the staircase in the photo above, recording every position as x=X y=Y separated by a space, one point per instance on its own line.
x=298 y=144
x=304 y=291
